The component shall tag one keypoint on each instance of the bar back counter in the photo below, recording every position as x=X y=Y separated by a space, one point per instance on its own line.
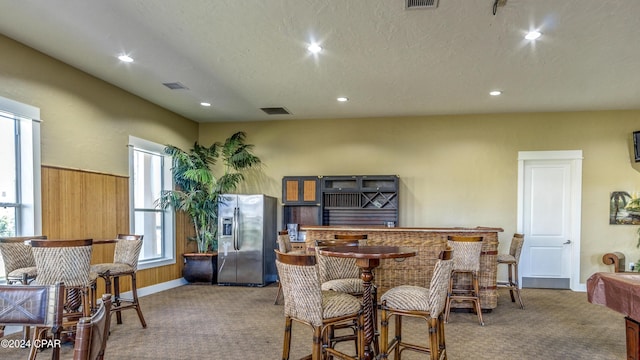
x=418 y=270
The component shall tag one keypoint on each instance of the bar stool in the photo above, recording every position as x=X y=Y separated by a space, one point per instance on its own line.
x=306 y=303
x=420 y=302
x=125 y=263
x=340 y=274
x=284 y=246
x=19 y=265
x=466 y=260
x=66 y=261
x=511 y=260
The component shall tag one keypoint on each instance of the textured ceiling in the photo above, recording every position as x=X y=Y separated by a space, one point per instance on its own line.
x=244 y=55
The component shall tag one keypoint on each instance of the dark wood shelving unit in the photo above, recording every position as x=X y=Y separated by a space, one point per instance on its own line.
x=340 y=200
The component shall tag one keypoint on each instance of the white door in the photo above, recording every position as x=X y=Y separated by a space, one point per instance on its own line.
x=549 y=216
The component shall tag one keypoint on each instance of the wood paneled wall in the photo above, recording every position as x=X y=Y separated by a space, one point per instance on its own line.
x=82 y=204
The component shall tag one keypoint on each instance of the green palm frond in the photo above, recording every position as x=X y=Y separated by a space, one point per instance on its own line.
x=197 y=187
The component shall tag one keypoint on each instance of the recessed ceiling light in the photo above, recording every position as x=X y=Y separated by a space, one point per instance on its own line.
x=206 y=104
x=314 y=48
x=343 y=99
x=125 y=58
x=532 y=35
x=495 y=93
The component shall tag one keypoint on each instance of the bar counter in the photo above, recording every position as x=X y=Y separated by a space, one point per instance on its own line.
x=429 y=242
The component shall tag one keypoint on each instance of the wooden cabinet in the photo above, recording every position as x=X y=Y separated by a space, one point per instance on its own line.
x=340 y=200
x=301 y=200
x=300 y=190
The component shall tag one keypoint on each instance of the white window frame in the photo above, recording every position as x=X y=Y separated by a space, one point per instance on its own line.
x=168 y=234
x=29 y=197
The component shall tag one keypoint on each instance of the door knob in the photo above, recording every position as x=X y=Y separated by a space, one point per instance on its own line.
x=567 y=242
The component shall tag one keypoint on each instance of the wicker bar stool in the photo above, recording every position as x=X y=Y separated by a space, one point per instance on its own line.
x=340 y=274
x=66 y=261
x=420 y=302
x=19 y=264
x=305 y=302
x=125 y=263
x=284 y=246
x=511 y=260
x=466 y=259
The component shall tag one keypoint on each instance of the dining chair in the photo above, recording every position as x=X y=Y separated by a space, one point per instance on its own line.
x=466 y=261
x=40 y=306
x=418 y=302
x=511 y=260
x=125 y=263
x=93 y=332
x=306 y=303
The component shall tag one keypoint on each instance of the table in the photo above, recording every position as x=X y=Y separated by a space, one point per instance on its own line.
x=619 y=292
x=367 y=259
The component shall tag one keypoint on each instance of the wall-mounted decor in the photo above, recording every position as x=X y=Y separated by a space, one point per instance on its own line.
x=624 y=208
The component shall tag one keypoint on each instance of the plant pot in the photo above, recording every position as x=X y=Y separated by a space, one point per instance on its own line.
x=201 y=268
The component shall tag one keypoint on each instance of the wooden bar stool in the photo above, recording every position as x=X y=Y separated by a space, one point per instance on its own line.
x=420 y=302
x=19 y=264
x=69 y=262
x=306 y=303
x=466 y=259
x=125 y=263
x=511 y=260
x=284 y=246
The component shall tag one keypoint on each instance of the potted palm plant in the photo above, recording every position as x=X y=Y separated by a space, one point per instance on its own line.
x=197 y=192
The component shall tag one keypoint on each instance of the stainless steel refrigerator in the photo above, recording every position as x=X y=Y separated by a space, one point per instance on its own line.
x=246 y=239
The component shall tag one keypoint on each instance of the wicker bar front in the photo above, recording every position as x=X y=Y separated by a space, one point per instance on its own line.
x=417 y=270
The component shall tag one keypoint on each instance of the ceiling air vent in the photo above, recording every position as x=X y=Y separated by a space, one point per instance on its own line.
x=275 y=111
x=175 y=86
x=420 y=4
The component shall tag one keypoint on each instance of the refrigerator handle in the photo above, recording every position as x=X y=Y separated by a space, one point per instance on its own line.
x=236 y=214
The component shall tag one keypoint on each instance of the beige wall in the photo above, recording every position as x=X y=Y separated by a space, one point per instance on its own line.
x=458 y=170
x=86 y=122
x=454 y=170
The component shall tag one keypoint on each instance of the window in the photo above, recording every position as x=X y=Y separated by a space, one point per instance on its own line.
x=149 y=174
x=20 y=210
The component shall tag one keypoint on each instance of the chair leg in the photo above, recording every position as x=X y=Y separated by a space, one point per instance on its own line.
x=116 y=296
x=134 y=291
x=442 y=346
x=278 y=294
x=517 y=286
x=384 y=333
x=286 y=346
x=434 y=341
x=316 y=351
x=511 y=282
x=398 y=337
x=476 y=289
x=447 y=306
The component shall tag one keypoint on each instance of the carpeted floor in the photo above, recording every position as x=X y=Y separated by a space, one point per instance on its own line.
x=217 y=322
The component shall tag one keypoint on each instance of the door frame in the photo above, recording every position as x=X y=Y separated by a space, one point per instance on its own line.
x=575 y=158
